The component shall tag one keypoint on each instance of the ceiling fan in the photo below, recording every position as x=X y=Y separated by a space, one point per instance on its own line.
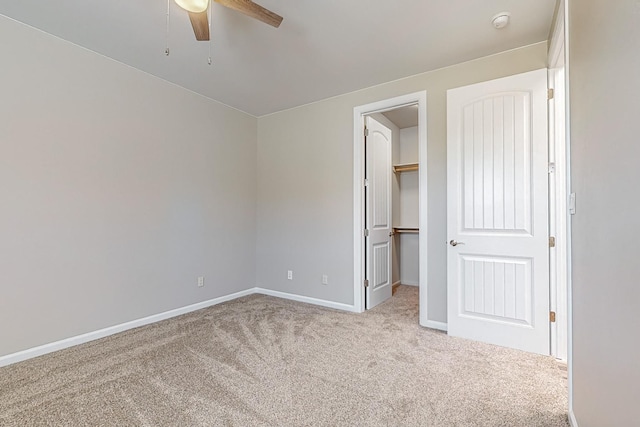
x=198 y=14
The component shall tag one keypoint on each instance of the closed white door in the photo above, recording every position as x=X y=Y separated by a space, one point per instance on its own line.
x=497 y=179
x=378 y=213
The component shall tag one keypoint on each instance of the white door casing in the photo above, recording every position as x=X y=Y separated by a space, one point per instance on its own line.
x=559 y=190
x=359 y=247
x=497 y=174
x=378 y=212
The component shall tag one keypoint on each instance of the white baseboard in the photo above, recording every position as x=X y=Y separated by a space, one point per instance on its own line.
x=572 y=419
x=436 y=325
x=308 y=300
x=101 y=333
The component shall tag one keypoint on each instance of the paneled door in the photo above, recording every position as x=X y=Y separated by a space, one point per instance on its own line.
x=378 y=213
x=497 y=208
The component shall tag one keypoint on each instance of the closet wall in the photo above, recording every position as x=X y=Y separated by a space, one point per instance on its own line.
x=407 y=215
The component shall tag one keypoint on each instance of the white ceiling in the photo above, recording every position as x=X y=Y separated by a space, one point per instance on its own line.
x=404 y=117
x=323 y=47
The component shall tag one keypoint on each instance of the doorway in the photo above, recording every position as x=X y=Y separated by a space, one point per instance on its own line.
x=391 y=203
x=418 y=99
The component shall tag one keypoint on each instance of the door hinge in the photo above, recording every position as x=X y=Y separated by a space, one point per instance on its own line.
x=366 y=182
x=366 y=232
x=552 y=242
x=366 y=131
x=552 y=167
x=552 y=316
x=366 y=283
x=550 y=94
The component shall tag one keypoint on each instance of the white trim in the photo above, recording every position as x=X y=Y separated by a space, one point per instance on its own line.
x=101 y=333
x=567 y=88
x=553 y=203
x=359 y=113
x=558 y=217
x=572 y=419
x=558 y=181
x=559 y=58
x=423 y=211
x=441 y=326
x=308 y=300
x=358 y=209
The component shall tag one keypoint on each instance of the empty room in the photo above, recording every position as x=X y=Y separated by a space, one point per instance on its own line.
x=279 y=213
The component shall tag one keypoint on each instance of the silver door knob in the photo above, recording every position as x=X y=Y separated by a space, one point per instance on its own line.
x=454 y=243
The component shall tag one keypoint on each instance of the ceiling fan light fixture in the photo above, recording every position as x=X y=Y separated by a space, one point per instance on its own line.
x=194 y=6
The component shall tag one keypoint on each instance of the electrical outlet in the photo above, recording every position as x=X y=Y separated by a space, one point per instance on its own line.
x=200 y=281
x=325 y=279
x=290 y=274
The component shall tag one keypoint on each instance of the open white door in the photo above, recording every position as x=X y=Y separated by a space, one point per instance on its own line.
x=378 y=213
x=497 y=172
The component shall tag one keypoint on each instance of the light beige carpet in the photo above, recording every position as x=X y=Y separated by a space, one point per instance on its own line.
x=263 y=361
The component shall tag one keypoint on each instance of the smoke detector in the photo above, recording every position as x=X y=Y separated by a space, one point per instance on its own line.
x=500 y=20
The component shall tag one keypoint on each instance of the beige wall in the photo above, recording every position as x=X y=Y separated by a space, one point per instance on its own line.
x=604 y=40
x=117 y=190
x=305 y=182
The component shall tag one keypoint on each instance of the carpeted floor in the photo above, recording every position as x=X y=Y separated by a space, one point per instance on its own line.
x=263 y=361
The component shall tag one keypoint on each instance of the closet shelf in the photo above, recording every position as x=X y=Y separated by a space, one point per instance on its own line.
x=402 y=230
x=407 y=167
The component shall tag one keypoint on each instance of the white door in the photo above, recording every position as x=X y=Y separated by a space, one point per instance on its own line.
x=378 y=213
x=497 y=208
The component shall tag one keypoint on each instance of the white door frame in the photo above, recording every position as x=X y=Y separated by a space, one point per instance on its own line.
x=359 y=113
x=558 y=191
x=559 y=47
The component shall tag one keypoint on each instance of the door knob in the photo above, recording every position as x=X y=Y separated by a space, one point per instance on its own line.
x=454 y=243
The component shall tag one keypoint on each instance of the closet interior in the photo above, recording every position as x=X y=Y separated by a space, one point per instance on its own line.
x=405 y=194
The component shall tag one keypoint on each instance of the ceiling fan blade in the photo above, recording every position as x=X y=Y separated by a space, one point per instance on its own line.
x=253 y=10
x=200 y=24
